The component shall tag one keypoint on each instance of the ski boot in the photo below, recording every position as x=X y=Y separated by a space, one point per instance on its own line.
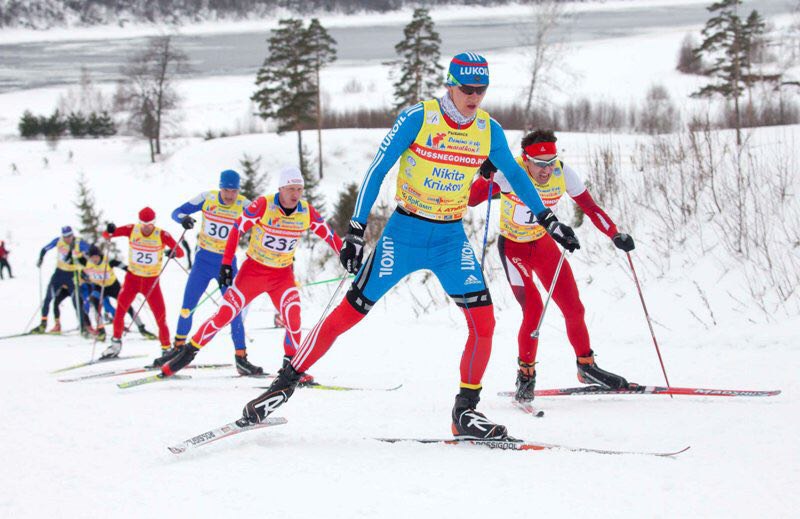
x=590 y=373
x=146 y=334
x=256 y=410
x=56 y=327
x=526 y=381
x=169 y=353
x=244 y=367
x=305 y=378
x=41 y=328
x=470 y=424
x=113 y=350
x=182 y=358
x=277 y=322
x=101 y=334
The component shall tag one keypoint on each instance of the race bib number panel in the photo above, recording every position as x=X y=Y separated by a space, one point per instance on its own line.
x=145 y=258
x=279 y=244
x=217 y=230
x=523 y=215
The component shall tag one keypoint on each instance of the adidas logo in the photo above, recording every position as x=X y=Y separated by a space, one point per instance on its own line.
x=472 y=280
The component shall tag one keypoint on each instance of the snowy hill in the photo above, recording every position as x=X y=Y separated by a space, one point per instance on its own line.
x=95 y=450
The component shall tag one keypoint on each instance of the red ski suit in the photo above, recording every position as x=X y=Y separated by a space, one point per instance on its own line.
x=139 y=284
x=540 y=256
x=268 y=267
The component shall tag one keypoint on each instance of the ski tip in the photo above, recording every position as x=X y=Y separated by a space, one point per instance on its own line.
x=177 y=449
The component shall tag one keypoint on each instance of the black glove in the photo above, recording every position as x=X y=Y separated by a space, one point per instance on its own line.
x=561 y=233
x=225 y=276
x=169 y=252
x=487 y=169
x=353 y=248
x=110 y=228
x=187 y=222
x=39 y=262
x=624 y=241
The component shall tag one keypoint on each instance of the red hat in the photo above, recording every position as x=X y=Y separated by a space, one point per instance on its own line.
x=147 y=215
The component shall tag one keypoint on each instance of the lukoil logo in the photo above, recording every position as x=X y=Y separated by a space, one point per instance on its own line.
x=474 y=71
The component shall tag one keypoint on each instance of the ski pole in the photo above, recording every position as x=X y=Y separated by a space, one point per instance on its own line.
x=153 y=286
x=100 y=322
x=206 y=298
x=488 y=216
x=351 y=276
x=649 y=323
x=535 y=334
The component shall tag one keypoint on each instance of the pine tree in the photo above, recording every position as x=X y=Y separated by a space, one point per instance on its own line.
x=323 y=51
x=728 y=42
x=91 y=219
x=101 y=125
x=345 y=206
x=312 y=191
x=253 y=184
x=29 y=125
x=420 y=71
x=285 y=81
x=77 y=124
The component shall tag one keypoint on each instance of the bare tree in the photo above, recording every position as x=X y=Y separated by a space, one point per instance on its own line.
x=544 y=41
x=147 y=90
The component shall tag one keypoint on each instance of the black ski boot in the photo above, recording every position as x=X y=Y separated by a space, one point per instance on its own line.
x=278 y=393
x=150 y=336
x=169 y=354
x=526 y=381
x=41 y=328
x=183 y=357
x=245 y=368
x=590 y=373
x=101 y=334
x=469 y=423
x=305 y=378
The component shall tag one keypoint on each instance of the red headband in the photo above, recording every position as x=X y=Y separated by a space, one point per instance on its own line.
x=541 y=148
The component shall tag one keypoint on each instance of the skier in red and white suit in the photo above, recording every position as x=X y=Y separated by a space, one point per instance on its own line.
x=277 y=222
x=145 y=253
x=526 y=249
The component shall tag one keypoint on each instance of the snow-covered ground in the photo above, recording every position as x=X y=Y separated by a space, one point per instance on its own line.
x=88 y=449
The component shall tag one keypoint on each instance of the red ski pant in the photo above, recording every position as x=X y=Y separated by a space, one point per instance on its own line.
x=253 y=280
x=480 y=321
x=521 y=261
x=140 y=285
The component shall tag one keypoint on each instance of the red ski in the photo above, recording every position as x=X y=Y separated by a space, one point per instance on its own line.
x=635 y=389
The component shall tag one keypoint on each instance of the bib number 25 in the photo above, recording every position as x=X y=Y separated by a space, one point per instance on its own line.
x=144 y=258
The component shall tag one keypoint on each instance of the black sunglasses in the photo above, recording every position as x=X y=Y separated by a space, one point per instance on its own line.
x=469 y=90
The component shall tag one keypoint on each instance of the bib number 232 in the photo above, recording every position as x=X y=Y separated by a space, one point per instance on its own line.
x=279 y=244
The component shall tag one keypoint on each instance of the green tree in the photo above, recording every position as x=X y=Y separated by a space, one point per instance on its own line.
x=420 y=71
x=323 y=52
x=29 y=125
x=729 y=43
x=253 y=184
x=101 y=125
x=91 y=219
x=77 y=124
x=344 y=208
x=285 y=82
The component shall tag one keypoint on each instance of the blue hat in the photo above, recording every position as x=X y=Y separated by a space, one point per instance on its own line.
x=229 y=179
x=66 y=231
x=468 y=68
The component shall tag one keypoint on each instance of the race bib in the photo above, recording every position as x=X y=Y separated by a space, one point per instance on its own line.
x=278 y=244
x=523 y=215
x=217 y=230
x=144 y=258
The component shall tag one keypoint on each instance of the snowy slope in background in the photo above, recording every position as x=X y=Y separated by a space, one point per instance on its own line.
x=89 y=449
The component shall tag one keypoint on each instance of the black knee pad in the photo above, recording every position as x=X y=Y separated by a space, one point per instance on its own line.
x=357 y=300
x=473 y=299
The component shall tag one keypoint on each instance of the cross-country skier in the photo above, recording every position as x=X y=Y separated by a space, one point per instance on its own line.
x=440 y=143
x=145 y=253
x=220 y=209
x=99 y=272
x=4 y=260
x=62 y=283
x=276 y=224
x=526 y=249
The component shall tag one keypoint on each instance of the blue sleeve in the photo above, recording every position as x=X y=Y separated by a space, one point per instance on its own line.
x=47 y=247
x=192 y=206
x=403 y=132
x=83 y=246
x=502 y=158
